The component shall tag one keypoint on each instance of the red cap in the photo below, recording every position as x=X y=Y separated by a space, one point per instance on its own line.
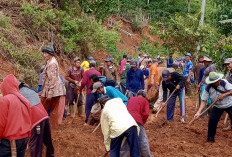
x=201 y=59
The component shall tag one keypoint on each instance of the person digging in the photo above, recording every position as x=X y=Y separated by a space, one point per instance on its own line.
x=174 y=81
x=219 y=90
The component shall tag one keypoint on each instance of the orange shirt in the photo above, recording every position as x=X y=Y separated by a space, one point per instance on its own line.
x=154 y=71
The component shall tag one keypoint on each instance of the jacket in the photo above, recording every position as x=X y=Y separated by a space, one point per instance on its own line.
x=115 y=93
x=115 y=120
x=135 y=80
x=110 y=72
x=15 y=116
x=138 y=107
x=52 y=84
x=85 y=65
x=38 y=112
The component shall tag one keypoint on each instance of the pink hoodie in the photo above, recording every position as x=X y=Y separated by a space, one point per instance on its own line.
x=15 y=121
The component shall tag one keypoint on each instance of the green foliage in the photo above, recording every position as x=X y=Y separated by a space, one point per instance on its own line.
x=4 y=21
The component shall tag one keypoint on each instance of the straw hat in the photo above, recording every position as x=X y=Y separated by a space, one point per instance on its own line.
x=213 y=77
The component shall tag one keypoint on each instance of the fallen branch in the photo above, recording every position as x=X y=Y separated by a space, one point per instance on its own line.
x=156 y=115
x=210 y=106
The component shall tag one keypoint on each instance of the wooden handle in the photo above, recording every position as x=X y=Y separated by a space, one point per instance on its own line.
x=210 y=106
x=96 y=127
x=165 y=102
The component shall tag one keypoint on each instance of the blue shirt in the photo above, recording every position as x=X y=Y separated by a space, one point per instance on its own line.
x=115 y=93
x=146 y=72
x=169 y=62
x=189 y=66
x=201 y=74
x=135 y=80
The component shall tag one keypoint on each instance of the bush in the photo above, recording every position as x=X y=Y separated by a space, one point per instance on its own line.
x=4 y=21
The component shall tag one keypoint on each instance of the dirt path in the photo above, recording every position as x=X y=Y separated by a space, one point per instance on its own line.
x=166 y=139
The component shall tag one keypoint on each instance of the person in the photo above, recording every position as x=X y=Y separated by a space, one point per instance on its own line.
x=104 y=80
x=90 y=98
x=74 y=77
x=53 y=92
x=219 y=90
x=41 y=132
x=188 y=71
x=138 y=107
x=41 y=78
x=116 y=125
x=153 y=79
x=15 y=118
x=124 y=74
x=123 y=63
x=174 y=81
x=149 y=64
x=100 y=68
x=209 y=68
x=110 y=71
x=197 y=69
x=139 y=57
x=144 y=60
x=85 y=64
x=134 y=80
x=145 y=71
x=109 y=91
x=170 y=60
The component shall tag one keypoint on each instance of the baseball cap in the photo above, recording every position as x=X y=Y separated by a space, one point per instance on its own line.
x=96 y=86
x=201 y=60
x=207 y=59
x=109 y=60
x=188 y=54
x=228 y=60
x=165 y=74
x=133 y=63
x=90 y=58
x=76 y=59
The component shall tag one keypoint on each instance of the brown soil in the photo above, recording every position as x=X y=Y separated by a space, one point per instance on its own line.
x=166 y=139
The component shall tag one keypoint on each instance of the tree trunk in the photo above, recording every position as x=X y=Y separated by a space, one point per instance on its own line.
x=189 y=4
x=202 y=12
x=148 y=1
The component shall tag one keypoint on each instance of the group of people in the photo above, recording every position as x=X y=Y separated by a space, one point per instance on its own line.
x=119 y=96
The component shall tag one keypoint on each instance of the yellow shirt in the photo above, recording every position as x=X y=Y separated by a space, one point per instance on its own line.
x=115 y=120
x=154 y=71
x=85 y=65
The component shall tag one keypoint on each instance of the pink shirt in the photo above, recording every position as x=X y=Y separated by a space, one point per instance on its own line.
x=122 y=64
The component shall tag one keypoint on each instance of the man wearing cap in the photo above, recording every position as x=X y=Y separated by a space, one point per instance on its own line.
x=90 y=98
x=109 y=91
x=124 y=74
x=138 y=107
x=174 y=81
x=85 y=64
x=110 y=71
x=144 y=60
x=197 y=69
x=209 y=68
x=134 y=80
x=219 y=90
x=188 y=70
x=153 y=79
x=170 y=60
x=117 y=124
x=100 y=68
x=74 y=76
x=122 y=63
x=53 y=91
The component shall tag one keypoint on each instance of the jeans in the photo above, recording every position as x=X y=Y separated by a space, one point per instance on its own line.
x=132 y=138
x=214 y=119
x=90 y=100
x=39 y=138
x=171 y=104
x=5 y=147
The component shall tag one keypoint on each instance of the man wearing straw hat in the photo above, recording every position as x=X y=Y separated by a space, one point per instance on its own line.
x=219 y=90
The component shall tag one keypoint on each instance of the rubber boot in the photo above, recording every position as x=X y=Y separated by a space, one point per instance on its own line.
x=71 y=110
x=80 y=110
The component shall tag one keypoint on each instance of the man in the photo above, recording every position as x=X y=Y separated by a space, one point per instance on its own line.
x=145 y=71
x=117 y=124
x=174 y=81
x=74 y=76
x=197 y=69
x=219 y=90
x=144 y=60
x=138 y=107
x=41 y=132
x=52 y=94
x=90 y=98
x=100 y=68
x=153 y=79
x=134 y=80
x=122 y=63
x=109 y=91
x=15 y=118
x=124 y=74
x=170 y=60
x=85 y=64
x=188 y=71
x=110 y=71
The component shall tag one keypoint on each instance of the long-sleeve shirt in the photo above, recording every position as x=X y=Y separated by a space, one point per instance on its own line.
x=115 y=93
x=201 y=73
x=135 y=80
x=138 y=107
x=177 y=79
x=110 y=72
x=115 y=120
x=210 y=68
x=86 y=82
x=169 y=62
